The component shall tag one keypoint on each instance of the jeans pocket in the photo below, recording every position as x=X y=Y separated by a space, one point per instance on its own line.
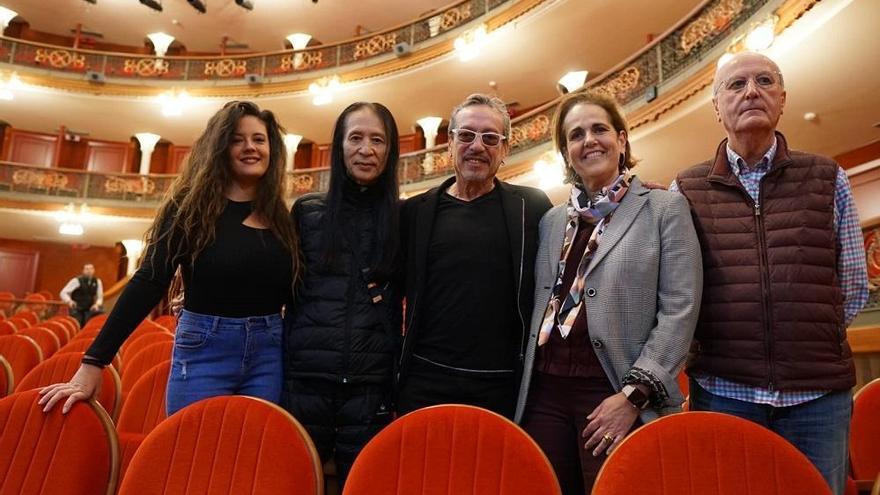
x=191 y=336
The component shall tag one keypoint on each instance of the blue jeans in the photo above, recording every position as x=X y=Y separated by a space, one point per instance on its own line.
x=224 y=356
x=818 y=428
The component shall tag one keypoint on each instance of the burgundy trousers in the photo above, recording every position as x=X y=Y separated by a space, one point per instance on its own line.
x=555 y=415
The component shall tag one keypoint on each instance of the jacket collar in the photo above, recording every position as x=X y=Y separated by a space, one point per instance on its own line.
x=722 y=170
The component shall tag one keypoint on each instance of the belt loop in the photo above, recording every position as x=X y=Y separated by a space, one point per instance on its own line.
x=215 y=324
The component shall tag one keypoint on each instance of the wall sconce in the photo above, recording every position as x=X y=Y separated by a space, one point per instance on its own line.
x=133 y=249
x=161 y=42
x=572 y=81
x=6 y=16
x=323 y=90
x=298 y=41
x=429 y=125
x=469 y=45
x=148 y=141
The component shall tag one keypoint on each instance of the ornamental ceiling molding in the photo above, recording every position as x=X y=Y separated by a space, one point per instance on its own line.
x=73 y=82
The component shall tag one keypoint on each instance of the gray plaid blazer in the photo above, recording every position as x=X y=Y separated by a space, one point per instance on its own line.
x=643 y=290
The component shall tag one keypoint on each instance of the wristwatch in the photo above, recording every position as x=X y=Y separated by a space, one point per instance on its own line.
x=636 y=397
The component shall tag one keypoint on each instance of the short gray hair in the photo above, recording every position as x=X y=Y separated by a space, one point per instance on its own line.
x=477 y=99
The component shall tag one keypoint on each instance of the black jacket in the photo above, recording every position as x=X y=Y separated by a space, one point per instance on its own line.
x=334 y=331
x=523 y=209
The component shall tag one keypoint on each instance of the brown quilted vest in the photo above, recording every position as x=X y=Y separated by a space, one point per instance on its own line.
x=772 y=308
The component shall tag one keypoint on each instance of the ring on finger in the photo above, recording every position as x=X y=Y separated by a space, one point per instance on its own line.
x=608 y=438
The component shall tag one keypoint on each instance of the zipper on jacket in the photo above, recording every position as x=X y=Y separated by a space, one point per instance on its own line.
x=765 y=285
x=522 y=255
x=353 y=279
x=406 y=334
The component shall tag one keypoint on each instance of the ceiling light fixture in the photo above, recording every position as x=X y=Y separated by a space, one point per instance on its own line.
x=7 y=85
x=572 y=81
x=153 y=4
x=245 y=4
x=71 y=229
x=174 y=102
x=6 y=16
x=724 y=59
x=198 y=5
x=469 y=45
x=71 y=221
x=761 y=35
x=161 y=42
x=299 y=40
x=324 y=89
x=549 y=171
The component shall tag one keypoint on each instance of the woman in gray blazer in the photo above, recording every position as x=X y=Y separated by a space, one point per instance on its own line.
x=618 y=278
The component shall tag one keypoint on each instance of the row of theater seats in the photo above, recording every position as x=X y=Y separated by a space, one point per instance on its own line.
x=133 y=391
x=446 y=450
x=233 y=445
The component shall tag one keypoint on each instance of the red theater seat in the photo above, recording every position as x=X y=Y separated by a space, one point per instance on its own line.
x=864 y=437
x=61 y=367
x=53 y=453
x=138 y=342
x=142 y=411
x=7 y=327
x=59 y=329
x=169 y=322
x=144 y=329
x=451 y=449
x=143 y=361
x=708 y=454
x=5 y=377
x=22 y=354
x=224 y=446
x=96 y=321
x=30 y=316
x=44 y=337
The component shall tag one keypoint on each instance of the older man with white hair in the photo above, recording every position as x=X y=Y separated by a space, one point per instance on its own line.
x=784 y=274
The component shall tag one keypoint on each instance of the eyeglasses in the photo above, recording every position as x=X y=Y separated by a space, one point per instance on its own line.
x=764 y=80
x=467 y=136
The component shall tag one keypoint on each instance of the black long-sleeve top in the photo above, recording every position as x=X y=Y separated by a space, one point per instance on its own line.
x=244 y=272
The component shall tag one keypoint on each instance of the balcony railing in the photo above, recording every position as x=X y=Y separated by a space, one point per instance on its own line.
x=132 y=66
x=680 y=51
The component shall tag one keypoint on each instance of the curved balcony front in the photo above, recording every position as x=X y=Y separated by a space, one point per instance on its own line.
x=386 y=51
x=659 y=77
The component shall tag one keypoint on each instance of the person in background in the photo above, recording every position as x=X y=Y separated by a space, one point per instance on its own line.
x=84 y=295
x=617 y=293
x=226 y=225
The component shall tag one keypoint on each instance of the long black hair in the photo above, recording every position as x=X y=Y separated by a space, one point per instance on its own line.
x=388 y=209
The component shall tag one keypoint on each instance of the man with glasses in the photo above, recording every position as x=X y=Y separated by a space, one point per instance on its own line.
x=470 y=248
x=784 y=274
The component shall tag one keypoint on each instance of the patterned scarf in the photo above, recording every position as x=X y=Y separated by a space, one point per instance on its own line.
x=599 y=212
